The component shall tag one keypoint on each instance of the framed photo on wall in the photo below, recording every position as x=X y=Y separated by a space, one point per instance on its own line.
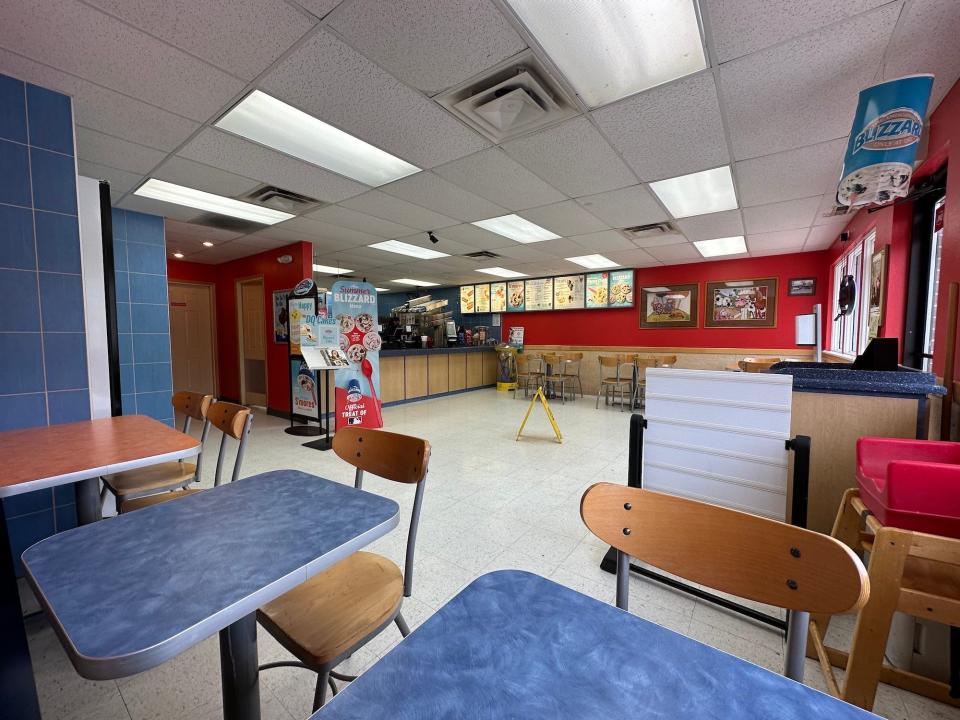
x=741 y=303
x=802 y=286
x=676 y=306
x=878 y=291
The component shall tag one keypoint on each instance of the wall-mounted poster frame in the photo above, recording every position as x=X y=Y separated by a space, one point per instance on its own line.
x=498 y=297
x=281 y=325
x=569 y=292
x=516 y=296
x=741 y=303
x=676 y=306
x=597 y=293
x=482 y=297
x=539 y=294
x=467 y=300
x=621 y=288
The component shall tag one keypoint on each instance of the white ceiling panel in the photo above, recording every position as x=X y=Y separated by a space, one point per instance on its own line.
x=120 y=180
x=115 y=152
x=781 y=241
x=201 y=232
x=790 y=175
x=388 y=207
x=633 y=258
x=781 y=216
x=626 y=207
x=428 y=44
x=824 y=214
x=679 y=253
x=188 y=173
x=564 y=218
x=671 y=130
x=822 y=237
x=603 y=242
x=560 y=248
x=443 y=244
x=337 y=237
x=67 y=34
x=476 y=238
x=434 y=193
x=660 y=240
x=345 y=217
x=714 y=225
x=573 y=157
x=492 y=174
x=360 y=257
x=370 y=104
x=156 y=207
x=268 y=241
x=804 y=91
x=229 y=152
x=746 y=26
x=519 y=253
x=319 y=8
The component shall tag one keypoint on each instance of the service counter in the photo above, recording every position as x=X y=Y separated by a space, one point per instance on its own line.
x=417 y=373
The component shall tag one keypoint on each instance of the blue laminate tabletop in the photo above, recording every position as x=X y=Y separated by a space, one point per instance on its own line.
x=515 y=645
x=127 y=593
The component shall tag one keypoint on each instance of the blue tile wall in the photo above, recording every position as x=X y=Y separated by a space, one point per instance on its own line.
x=43 y=356
x=143 y=320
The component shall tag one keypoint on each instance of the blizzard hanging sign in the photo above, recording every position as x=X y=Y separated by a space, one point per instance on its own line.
x=354 y=307
x=883 y=143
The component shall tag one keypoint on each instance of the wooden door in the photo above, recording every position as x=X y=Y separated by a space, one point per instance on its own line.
x=191 y=338
x=251 y=322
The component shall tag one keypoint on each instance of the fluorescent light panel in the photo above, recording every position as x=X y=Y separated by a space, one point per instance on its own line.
x=698 y=193
x=611 y=49
x=516 y=228
x=271 y=122
x=402 y=248
x=382 y=289
x=502 y=272
x=180 y=195
x=593 y=262
x=178 y=255
x=329 y=270
x=721 y=246
x=418 y=283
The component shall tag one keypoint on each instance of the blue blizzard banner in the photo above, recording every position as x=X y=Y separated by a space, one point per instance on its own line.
x=883 y=142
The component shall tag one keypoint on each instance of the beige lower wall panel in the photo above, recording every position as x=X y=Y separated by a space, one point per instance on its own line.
x=490 y=369
x=415 y=374
x=474 y=369
x=391 y=379
x=438 y=373
x=457 y=371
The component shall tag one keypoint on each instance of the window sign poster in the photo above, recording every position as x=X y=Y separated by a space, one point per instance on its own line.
x=299 y=309
x=354 y=308
x=467 y=304
x=568 y=292
x=304 y=383
x=280 y=324
x=621 y=288
x=539 y=294
x=515 y=296
x=598 y=285
x=482 y=296
x=498 y=297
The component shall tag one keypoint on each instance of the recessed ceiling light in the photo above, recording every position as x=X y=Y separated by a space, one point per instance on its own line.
x=207 y=243
x=382 y=289
x=419 y=283
x=271 y=122
x=721 y=246
x=502 y=272
x=516 y=228
x=698 y=193
x=180 y=195
x=608 y=50
x=178 y=255
x=395 y=246
x=594 y=262
x=328 y=270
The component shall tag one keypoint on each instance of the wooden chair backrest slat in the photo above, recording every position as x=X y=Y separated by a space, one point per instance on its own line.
x=609 y=360
x=401 y=458
x=229 y=418
x=666 y=360
x=192 y=404
x=761 y=365
x=727 y=550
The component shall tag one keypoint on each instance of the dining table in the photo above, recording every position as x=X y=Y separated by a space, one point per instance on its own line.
x=76 y=453
x=513 y=644
x=127 y=594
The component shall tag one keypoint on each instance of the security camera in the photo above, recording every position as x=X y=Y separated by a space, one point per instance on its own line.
x=433 y=238
x=844 y=236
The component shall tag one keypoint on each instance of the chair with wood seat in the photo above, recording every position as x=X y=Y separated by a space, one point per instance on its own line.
x=642 y=364
x=616 y=375
x=666 y=361
x=234 y=421
x=161 y=477
x=526 y=375
x=323 y=621
x=735 y=552
x=757 y=365
x=570 y=364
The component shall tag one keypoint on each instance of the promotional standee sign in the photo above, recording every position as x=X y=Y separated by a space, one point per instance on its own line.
x=304 y=393
x=354 y=306
x=883 y=142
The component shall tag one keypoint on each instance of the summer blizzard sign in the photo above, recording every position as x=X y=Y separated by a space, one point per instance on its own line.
x=354 y=307
x=883 y=142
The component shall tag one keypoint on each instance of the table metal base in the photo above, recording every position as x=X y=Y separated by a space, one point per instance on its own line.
x=238 y=670
x=87 y=495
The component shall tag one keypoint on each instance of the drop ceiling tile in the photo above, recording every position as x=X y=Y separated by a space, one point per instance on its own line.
x=444 y=244
x=822 y=237
x=573 y=157
x=362 y=257
x=925 y=41
x=67 y=35
x=668 y=131
x=319 y=8
x=155 y=207
x=519 y=253
x=660 y=240
x=475 y=238
x=232 y=153
x=564 y=218
x=201 y=232
x=804 y=91
x=790 y=175
x=188 y=173
x=218 y=31
x=492 y=174
x=745 y=26
x=825 y=211
x=781 y=216
x=345 y=217
x=679 y=253
x=428 y=44
x=633 y=258
x=434 y=193
x=115 y=152
x=560 y=248
x=103 y=109
x=120 y=180
x=783 y=240
x=268 y=241
x=626 y=207
x=714 y=225
x=603 y=242
x=370 y=104
x=388 y=207
x=338 y=237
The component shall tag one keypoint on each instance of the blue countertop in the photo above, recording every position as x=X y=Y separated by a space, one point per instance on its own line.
x=842 y=378
x=516 y=645
x=434 y=351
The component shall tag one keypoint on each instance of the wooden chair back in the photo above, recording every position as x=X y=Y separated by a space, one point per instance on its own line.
x=666 y=360
x=610 y=361
x=757 y=365
x=191 y=404
x=229 y=418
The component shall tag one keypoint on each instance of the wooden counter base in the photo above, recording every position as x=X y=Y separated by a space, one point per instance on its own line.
x=423 y=375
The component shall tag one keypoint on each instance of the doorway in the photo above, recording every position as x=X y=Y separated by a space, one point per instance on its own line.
x=192 y=342
x=251 y=326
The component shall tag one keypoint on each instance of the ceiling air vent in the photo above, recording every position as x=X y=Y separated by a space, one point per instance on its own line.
x=225 y=222
x=482 y=255
x=515 y=97
x=647 y=231
x=280 y=199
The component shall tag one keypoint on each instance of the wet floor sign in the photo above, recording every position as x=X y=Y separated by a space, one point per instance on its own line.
x=546 y=408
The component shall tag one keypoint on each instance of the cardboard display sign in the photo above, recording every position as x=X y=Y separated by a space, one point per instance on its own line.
x=354 y=308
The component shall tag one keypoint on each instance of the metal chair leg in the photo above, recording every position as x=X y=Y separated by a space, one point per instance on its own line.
x=320 y=693
x=402 y=625
x=333 y=687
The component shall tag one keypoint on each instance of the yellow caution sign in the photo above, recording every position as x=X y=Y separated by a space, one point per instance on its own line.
x=546 y=408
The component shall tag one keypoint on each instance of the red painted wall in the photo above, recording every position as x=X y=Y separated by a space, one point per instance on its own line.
x=622 y=327
x=224 y=277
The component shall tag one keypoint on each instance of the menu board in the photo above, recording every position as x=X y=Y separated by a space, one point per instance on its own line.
x=621 y=288
x=597 y=289
x=498 y=297
x=568 y=292
x=515 y=296
x=539 y=294
x=482 y=297
x=467 y=304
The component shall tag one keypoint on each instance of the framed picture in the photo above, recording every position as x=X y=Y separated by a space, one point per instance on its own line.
x=741 y=303
x=802 y=286
x=281 y=329
x=878 y=279
x=676 y=306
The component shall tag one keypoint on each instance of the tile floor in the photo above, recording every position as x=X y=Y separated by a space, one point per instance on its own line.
x=491 y=502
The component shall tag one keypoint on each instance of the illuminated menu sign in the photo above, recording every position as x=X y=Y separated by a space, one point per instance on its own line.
x=467 y=304
x=594 y=291
x=621 y=288
x=598 y=285
x=539 y=294
x=483 y=298
x=516 y=296
x=498 y=297
x=568 y=292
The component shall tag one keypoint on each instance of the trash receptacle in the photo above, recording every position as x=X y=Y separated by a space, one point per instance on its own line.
x=506 y=368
